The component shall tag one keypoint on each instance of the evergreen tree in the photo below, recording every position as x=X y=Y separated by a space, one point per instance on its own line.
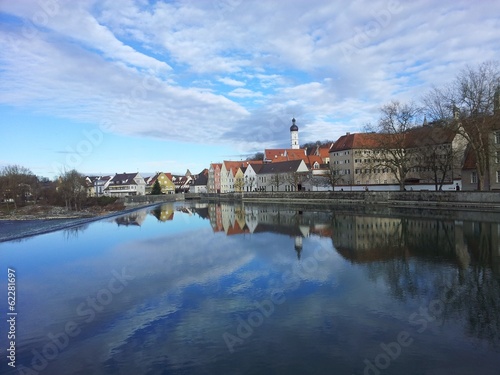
x=156 y=188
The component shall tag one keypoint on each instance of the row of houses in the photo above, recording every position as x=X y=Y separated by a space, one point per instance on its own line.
x=280 y=170
x=124 y=184
x=283 y=169
x=432 y=156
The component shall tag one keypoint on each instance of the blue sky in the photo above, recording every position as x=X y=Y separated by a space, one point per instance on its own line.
x=115 y=86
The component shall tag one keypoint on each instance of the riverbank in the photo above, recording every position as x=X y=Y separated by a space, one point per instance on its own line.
x=440 y=200
x=35 y=220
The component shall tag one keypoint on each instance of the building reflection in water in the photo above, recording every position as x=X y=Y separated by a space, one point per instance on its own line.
x=165 y=212
x=249 y=219
x=365 y=239
x=417 y=259
x=425 y=259
x=133 y=219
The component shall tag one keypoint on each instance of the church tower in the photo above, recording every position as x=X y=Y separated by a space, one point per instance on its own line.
x=294 y=135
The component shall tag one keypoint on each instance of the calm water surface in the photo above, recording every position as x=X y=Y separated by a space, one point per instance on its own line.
x=223 y=289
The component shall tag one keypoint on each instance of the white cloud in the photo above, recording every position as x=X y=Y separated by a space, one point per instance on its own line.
x=78 y=24
x=231 y=82
x=89 y=62
x=244 y=93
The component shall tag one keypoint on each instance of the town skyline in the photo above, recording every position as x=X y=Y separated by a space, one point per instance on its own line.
x=109 y=87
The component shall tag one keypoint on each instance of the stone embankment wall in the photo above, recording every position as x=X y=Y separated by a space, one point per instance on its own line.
x=428 y=199
x=151 y=199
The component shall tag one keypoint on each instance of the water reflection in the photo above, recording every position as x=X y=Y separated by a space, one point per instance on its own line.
x=165 y=212
x=74 y=232
x=249 y=219
x=416 y=258
x=194 y=272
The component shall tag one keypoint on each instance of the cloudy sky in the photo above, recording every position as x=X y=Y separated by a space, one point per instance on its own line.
x=114 y=86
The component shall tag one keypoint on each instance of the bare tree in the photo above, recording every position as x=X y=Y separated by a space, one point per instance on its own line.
x=439 y=154
x=72 y=187
x=467 y=106
x=239 y=184
x=295 y=179
x=16 y=184
x=250 y=182
x=390 y=144
x=438 y=104
x=335 y=176
x=277 y=180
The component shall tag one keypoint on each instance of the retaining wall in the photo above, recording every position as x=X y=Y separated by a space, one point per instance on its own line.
x=437 y=199
x=150 y=199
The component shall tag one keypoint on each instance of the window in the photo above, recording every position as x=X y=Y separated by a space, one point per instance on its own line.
x=497 y=137
x=497 y=157
x=473 y=178
x=498 y=176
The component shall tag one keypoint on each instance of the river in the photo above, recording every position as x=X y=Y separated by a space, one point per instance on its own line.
x=254 y=289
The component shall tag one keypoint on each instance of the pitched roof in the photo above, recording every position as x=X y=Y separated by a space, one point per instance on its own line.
x=311 y=159
x=151 y=180
x=256 y=167
x=230 y=165
x=357 y=140
x=202 y=180
x=295 y=154
x=470 y=159
x=123 y=179
x=204 y=171
x=428 y=135
x=254 y=162
x=414 y=137
x=277 y=154
x=324 y=151
x=280 y=167
x=272 y=153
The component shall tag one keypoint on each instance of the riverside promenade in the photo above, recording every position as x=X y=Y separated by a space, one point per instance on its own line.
x=449 y=200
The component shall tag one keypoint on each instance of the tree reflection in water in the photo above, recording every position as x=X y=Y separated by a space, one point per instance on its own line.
x=422 y=260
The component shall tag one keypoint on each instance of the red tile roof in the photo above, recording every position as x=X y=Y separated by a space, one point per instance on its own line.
x=324 y=151
x=272 y=153
x=312 y=159
x=296 y=154
x=415 y=137
x=358 y=140
x=470 y=159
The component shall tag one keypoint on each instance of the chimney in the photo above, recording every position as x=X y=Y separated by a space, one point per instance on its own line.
x=347 y=133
